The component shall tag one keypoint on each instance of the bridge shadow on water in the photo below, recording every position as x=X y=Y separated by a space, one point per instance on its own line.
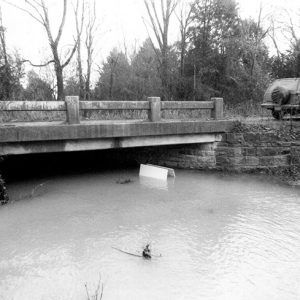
x=40 y=166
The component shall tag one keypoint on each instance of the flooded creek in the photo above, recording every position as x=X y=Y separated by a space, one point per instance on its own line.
x=220 y=237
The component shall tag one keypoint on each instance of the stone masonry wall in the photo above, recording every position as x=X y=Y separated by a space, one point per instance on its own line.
x=259 y=147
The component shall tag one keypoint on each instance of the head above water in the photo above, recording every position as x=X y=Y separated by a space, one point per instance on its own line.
x=147 y=252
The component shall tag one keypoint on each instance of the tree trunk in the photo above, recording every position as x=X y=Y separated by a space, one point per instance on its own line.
x=182 y=56
x=80 y=73
x=87 y=88
x=164 y=76
x=60 y=82
x=111 y=82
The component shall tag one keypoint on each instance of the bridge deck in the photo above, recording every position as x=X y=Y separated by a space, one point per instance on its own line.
x=41 y=137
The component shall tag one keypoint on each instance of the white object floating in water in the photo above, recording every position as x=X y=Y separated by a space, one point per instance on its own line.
x=156 y=172
x=154 y=183
x=171 y=172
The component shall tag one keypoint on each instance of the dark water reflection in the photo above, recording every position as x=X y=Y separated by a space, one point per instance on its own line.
x=233 y=237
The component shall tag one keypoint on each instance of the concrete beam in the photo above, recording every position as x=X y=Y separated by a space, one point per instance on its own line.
x=107 y=143
x=93 y=130
x=168 y=140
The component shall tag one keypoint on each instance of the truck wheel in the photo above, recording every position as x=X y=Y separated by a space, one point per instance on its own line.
x=278 y=115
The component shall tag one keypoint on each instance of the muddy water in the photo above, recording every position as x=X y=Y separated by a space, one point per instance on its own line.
x=220 y=237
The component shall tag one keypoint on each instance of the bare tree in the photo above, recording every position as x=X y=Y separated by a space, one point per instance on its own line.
x=284 y=27
x=272 y=35
x=290 y=29
x=252 y=39
x=184 y=19
x=89 y=44
x=5 y=68
x=113 y=62
x=79 y=26
x=88 y=23
x=160 y=29
x=38 y=10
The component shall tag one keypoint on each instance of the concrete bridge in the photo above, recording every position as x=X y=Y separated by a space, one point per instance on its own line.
x=194 y=122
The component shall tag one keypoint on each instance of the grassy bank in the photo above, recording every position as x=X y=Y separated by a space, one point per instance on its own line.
x=245 y=110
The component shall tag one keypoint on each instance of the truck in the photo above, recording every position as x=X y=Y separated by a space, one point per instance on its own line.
x=283 y=97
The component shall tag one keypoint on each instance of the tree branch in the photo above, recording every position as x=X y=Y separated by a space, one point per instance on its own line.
x=24 y=10
x=155 y=30
x=71 y=55
x=157 y=19
x=46 y=23
x=62 y=23
x=155 y=50
x=37 y=65
x=35 y=8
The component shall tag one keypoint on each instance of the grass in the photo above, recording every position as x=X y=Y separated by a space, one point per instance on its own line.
x=249 y=109
x=117 y=114
x=34 y=116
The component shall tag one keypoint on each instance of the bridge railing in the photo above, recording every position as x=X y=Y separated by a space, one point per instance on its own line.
x=72 y=107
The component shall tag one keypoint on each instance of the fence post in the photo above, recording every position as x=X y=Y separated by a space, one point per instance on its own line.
x=72 y=105
x=155 y=109
x=217 y=112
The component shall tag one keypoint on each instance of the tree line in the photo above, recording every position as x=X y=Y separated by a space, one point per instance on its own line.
x=219 y=54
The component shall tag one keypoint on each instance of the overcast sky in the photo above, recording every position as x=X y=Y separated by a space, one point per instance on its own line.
x=120 y=22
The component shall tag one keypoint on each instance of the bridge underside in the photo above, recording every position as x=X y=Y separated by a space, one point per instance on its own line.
x=54 y=137
x=104 y=143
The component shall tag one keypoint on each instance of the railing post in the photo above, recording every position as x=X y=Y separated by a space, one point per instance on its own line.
x=217 y=112
x=72 y=105
x=155 y=109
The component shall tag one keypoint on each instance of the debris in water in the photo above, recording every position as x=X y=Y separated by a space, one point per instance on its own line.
x=133 y=254
x=34 y=191
x=145 y=254
x=156 y=172
x=171 y=172
x=124 y=181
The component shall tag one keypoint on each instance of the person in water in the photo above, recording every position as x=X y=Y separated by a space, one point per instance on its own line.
x=147 y=252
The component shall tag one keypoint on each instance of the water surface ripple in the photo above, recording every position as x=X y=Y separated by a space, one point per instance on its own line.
x=220 y=237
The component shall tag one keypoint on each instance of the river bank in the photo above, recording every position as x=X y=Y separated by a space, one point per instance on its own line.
x=3 y=192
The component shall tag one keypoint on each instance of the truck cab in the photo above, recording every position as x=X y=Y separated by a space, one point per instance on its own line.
x=283 y=96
